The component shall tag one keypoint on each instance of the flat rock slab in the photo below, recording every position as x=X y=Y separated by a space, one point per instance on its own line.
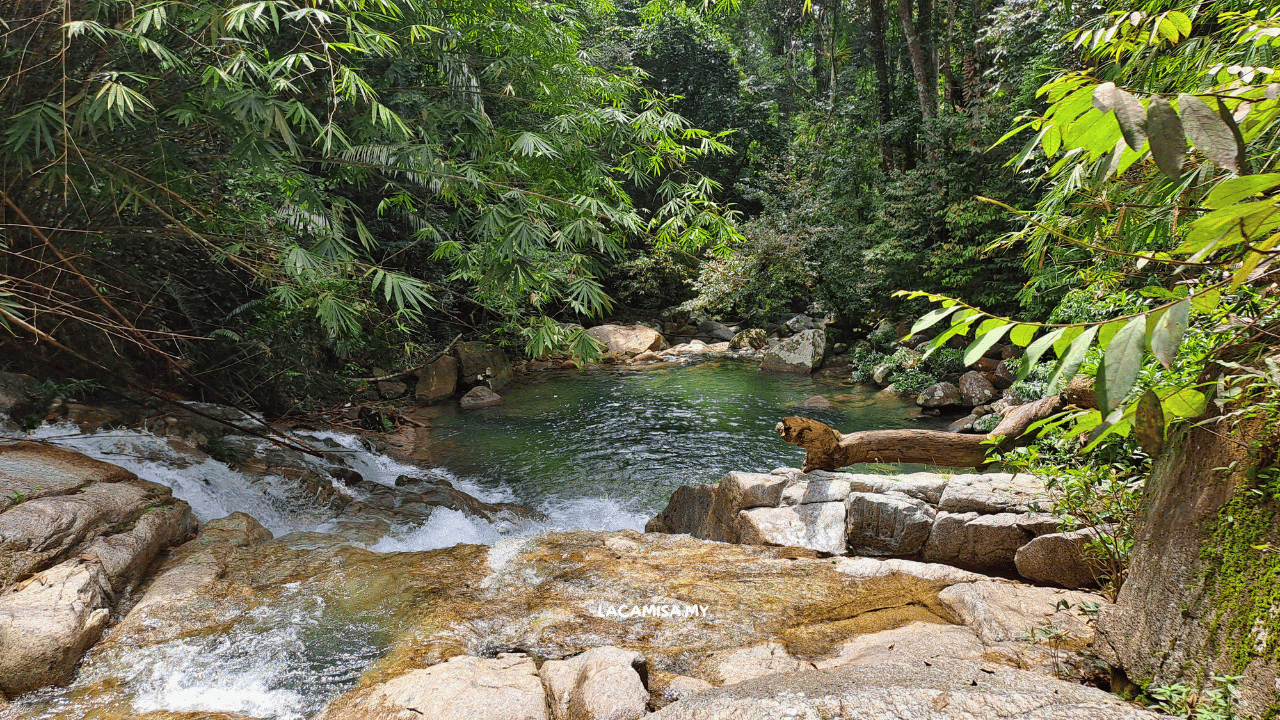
x=922 y=486
x=30 y=470
x=995 y=493
x=942 y=690
x=974 y=541
x=1000 y=611
x=916 y=642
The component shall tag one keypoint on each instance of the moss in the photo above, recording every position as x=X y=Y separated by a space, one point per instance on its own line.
x=1242 y=576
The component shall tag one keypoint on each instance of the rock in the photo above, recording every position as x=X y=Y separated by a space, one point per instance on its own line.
x=647 y=356
x=479 y=397
x=880 y=375
x=627 y=340
x=964 y=424
x=817 y=401
x=754 y=338
x=471 y=688
x=41 y=532
x=915 y=643
x=1041 y=523
x=666 y=688
x=15 y=390
x=995 y=493
x=799 y=323
x=715 y=330
x=723 y=501
x=437 y=380
x=940 y=690
x=975 y=542
x=887 y=525
x=922 y=486
x=1005 y=376
x=975 y=389
x=800 y=353
x=604 y=683
x=918 y=575
x=1059 y=558
x=482 y=364
x=1028 y=626
x=984 y=365
x=735 y=666
x=442 y=494
x=126 y=556
x=30 y=470
x=48 y=622
x=817 y=526
x=942 y=394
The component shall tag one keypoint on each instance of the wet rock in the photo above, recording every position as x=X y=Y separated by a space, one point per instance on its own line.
x=311 y=478
x=1004 y=376
x=126 y=556
x=479 y=397
x=817 y=401
x=995 y=493
x=817 y=526
x=880 y=375
x=887 y=524
x=647 y=356
x=437 y=380
x=800 y=353
x=754 y=338
x=40 y=532
x=975 y=389
x=443 y=494
x=938 y=691
x=503 y=688
x=30 y=470
x=15 y=389
x=686 y=512
x=604 y=683
x=47 y=623
x=975 y=542
x=1060 y=559
x=627 y=340
x=482 y=364
x=667 y=688
x=939 y=395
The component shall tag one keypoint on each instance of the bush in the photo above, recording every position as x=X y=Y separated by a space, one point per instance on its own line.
x=912 y=381
x=987 y=423
x=865 y=360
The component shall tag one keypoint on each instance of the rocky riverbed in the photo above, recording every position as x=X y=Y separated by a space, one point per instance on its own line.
x=119 y=598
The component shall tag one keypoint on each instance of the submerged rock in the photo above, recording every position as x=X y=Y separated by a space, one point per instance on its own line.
x=479 y=397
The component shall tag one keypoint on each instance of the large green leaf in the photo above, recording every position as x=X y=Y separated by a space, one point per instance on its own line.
x=1036 y=350
x=1230 y=192
x=1070 y=362
x=984 y=342
x=1121 y=364
x=1209 y=133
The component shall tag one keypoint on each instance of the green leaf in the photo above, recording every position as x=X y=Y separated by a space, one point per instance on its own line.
x=1128 y=111
x=932 y=318
x=1166 y=138
x=984 y=343
x=1120 y=365
x=1109 y=331
x=1206 y=302
x=1148 y=423
x=1230 y=192
x=1021 y=335
x=1184 y=403
x=1168 y=332
x=1209 y=133
x=1251 y=261
x=1070 y=362
x=1035 y=350
x=1069 y=335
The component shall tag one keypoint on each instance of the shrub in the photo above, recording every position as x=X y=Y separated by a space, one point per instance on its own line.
x=912 y=381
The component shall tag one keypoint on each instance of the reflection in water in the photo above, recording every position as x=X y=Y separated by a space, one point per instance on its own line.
x=634 y=437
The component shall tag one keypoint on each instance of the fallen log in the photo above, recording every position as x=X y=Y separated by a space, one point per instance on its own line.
x=829 y=449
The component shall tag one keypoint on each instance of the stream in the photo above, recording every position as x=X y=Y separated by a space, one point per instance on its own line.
x=595 y=451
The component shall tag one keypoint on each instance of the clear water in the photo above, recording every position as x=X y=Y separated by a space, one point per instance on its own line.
x=633 y=437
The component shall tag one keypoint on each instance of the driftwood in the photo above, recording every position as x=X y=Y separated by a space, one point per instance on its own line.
x=829 y=449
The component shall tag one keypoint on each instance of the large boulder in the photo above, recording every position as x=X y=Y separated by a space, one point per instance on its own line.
x=713 y=513
x=942 y=394
x=437 y=380
x=715 y=330
x=936 y=690
x=975 y=389
x=800 y=353
x=983 y=543
x=754 y=338
x=48 y=622
x=15 y=389
x=482 y=364
x=817 y=526
x=30 y=470
x=1060 y=559
x=995 y=493
x=503 y=688
x=479 y=397
x=887 y=524
x=627 y=339
x=604 y=683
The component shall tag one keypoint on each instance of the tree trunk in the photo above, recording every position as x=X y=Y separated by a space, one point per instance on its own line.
x=829 y=449
x=884 y=91
x=918 y=30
